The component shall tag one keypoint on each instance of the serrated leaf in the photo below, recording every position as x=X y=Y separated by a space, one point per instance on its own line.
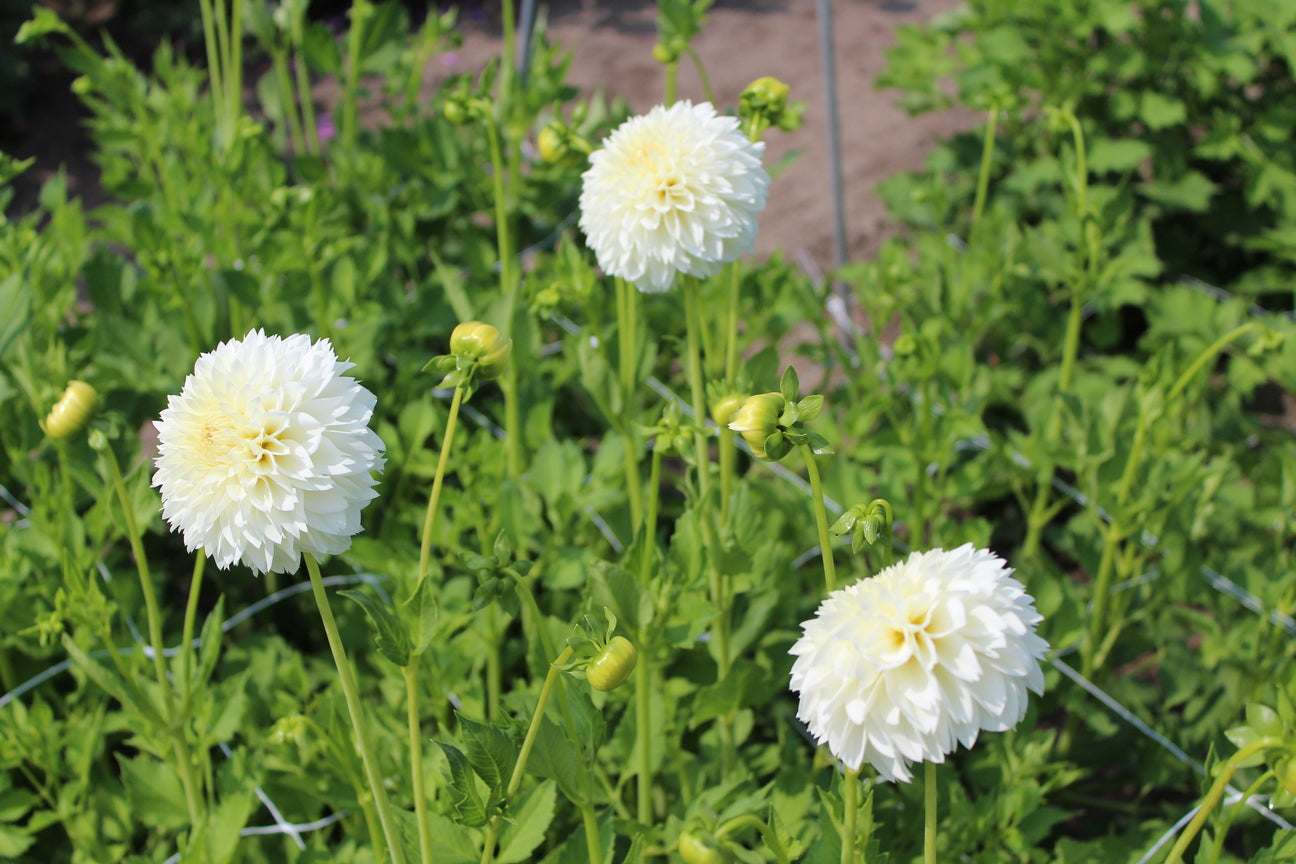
x=154 y=791
x=554 y=757
x=390 y=631
x=462 y=789
x=531 y=820
x=490 y=752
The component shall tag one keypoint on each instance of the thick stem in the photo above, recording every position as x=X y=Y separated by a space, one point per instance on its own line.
x=434 y=497
x=1215 y=793
x=821 y=518
x=627 y=301
x=416 y=759
x=693 y=318
x=508 y=288
x=929 y=806
x=214 y=59
x=849 y=844
x=643 y=750
x=672 y=76
x=351 y=692
x=359 y=11
x=186 y=633
x=288 y=103
x=983 y=177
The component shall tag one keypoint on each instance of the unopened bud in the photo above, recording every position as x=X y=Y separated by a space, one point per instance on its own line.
x=73 y=412
x=482 y=344
x=757 y=418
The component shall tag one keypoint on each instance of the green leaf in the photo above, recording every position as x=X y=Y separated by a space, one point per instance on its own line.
x=15 y=309
x=809 y=408
x=14 y=841
x=554 y=757
x=154 y=791
x=390 y=631
x=43 y=23
x=1192 y=191
x=789 y=385
x=490 y=751
x=462 y=789
x=1159 y=110
x=209 y=652
x=530 y=822
x=617 y=589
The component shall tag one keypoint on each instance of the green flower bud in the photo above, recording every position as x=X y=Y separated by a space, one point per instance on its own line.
x=701 y=848
x=767 y=94
x=665 y=54
x=560 y=144
x=1287 y=775
x=724 y=408
x=613 y=664
x=757 y=419
x=482 y=344
x=73 y=412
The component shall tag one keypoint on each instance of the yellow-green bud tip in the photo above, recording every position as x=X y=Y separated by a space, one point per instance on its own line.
x=757 y=418
x=73 y=412
x=768 y=92
x=482 y=344
x=613 y=664
x=724 y=408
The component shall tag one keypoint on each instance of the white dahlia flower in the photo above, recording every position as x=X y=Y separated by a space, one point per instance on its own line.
x=926 y=654
x=674 y=190
x=267 y=453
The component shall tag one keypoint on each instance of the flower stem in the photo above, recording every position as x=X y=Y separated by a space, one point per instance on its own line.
x=1215 y=793
x=351 y=692
x=186 y=637
x=515 y=779
x=850 y=785
x=983 y=177
x=508 y=288
x=821 y=518
x=693 y=318
x=672 y=76
x=434 y=497
x=643 y=784
x=929 y=822
x=416 y=758
x=768 y=834
x=627 y=355
x=359 y=12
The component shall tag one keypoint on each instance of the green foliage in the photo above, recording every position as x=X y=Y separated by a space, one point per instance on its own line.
x=1031 y=374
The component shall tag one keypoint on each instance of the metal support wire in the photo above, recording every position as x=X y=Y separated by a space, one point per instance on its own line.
x=828 y=58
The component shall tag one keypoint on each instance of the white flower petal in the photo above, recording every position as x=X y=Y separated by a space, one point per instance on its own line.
x=675 y=190
x=267 y=453
x=922 y=657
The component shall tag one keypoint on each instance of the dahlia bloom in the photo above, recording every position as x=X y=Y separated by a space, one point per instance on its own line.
x=928 y=653
x=267 y=453
x=674 y=190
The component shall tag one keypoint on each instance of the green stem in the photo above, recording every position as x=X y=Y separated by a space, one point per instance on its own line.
x=351 y=692
x=359 y=11
x=672 y=77
x=702 y=75
x=515 y=779
x=508 y=288
x=627 y=303
x=1204 y=358
x=186 y=633
x=929 y=805
x=643 y=721
x=693 y=318
x=983 y=177
x=304 y=97
x=214 y=59
x=1215 y=793
x=1221 y=832
x=146 y=580
x=768 y=834
x=851 y=784
x=287 y=103
x=234 y=69
x=434 y=497
x=821 y=518
x=416 y=759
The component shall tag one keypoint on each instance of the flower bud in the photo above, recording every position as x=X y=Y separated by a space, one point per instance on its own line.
x=613 y=664
x=73 y=412
x=757 y=419
x=560 y=144
x=1287 y=776
x=701 y=848
x=665 y=54
x=724 y=408
x=482 y=344
x=767 y=94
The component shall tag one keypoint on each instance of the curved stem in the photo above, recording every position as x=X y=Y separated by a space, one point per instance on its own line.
x=1215 y=793
x=850 y=787
x=702 y=75
x=351 y=692
x=768 y=834
x=1217 y=843
x=416 y=758
x=929 y=806
x=434 y=497
x=627 y=301
x=821 y=518
x=1205 y=357
x=983 y=176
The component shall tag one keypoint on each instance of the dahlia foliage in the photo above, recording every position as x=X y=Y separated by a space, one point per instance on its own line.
x=267 y=453
x=901 y=667
x=675 y=190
